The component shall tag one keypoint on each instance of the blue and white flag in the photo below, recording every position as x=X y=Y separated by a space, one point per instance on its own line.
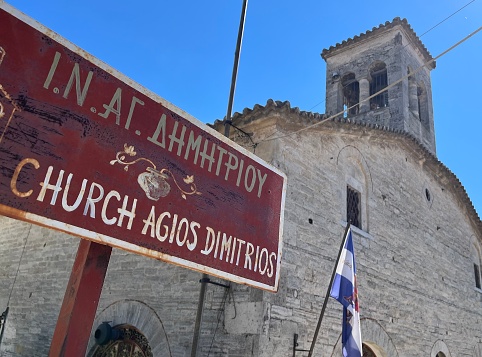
x=344 y=289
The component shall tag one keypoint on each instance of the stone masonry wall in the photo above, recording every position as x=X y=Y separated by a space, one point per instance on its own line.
x=35 y=264
x=415 y=274
x=416 y=282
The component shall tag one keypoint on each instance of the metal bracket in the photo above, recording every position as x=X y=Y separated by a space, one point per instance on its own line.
x=207 y=280
x=3 y=320
x=296 y=344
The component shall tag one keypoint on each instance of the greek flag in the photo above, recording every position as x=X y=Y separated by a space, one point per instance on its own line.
x=344 y=289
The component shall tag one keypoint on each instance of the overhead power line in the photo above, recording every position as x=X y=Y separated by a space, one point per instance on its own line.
x=448 y=17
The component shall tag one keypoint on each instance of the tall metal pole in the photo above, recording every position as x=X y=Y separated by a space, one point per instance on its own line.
x=227 y=120
x=227 y=126
x=327 y=296
x=199 y=316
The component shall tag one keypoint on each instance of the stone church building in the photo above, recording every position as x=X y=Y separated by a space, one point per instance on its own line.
x=371 y=160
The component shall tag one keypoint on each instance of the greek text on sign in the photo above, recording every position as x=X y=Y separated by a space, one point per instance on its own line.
x=85 y=150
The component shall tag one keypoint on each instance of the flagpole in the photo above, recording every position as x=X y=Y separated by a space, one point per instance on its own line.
x=327 y=296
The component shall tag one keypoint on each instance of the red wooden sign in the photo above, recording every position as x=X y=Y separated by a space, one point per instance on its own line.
x=85 y=150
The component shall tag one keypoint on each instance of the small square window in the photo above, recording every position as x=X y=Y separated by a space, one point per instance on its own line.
x=353 y=207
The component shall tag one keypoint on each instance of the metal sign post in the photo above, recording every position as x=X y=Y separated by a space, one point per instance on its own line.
x=72 y=333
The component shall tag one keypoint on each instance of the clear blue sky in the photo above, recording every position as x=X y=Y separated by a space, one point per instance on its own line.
x=184 y=50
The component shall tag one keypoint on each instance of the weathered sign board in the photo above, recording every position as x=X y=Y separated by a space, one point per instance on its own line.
x=85 y=150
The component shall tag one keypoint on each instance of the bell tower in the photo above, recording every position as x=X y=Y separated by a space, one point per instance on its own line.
x=382 y=77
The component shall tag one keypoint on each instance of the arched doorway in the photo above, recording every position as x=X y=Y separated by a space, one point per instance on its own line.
x=131 y=344
x=367 y=351
x=440 y=349
x=376 y=341
x=143 y=324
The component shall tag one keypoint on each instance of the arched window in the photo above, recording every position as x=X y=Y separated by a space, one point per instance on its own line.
x=422 y=105
x=378 y=81
x=439 y=349
x=351 y=94
x=355 y=187
x=353 y=207
x=476 y=262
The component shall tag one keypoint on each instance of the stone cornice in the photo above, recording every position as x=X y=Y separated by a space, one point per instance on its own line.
x=303 y=119
x=382 y=28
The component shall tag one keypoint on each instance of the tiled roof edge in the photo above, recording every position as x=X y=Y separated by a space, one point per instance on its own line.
x=274 y=106
x=271 y=105
x=382 y=27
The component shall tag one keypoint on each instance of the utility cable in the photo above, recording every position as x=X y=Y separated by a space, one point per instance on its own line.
x=379 y=92
x=448 y=17
x=18 y=267
x=4 y=315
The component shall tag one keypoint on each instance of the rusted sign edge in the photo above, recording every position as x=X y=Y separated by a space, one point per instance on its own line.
x=104 y=239
x=121 y=244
